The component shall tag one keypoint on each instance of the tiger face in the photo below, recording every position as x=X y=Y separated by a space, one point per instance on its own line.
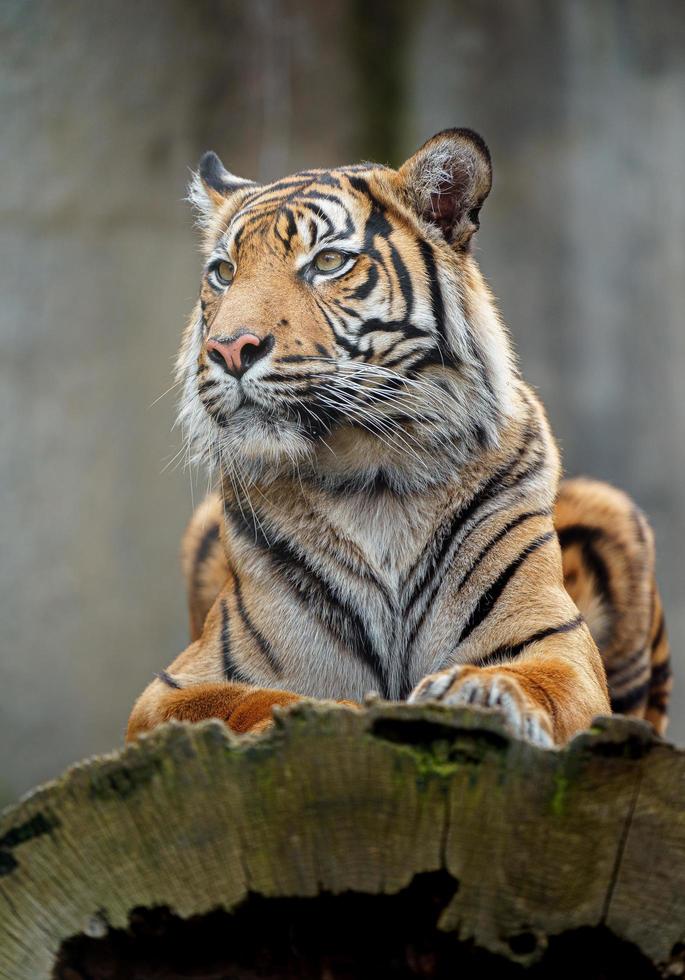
x=343 y=329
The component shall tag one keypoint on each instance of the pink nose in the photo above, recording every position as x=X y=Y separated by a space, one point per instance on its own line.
x=236 y=356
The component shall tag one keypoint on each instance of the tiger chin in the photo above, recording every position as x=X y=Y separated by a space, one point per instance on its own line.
x=388 y=515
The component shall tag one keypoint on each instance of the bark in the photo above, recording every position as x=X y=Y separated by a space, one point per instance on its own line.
x=392 y=841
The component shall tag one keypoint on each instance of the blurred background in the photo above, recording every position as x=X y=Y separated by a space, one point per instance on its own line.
x=103 y=108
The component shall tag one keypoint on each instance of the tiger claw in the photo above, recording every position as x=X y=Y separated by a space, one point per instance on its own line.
x=464 y=685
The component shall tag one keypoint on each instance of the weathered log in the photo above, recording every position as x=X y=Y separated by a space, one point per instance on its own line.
x=391 y=841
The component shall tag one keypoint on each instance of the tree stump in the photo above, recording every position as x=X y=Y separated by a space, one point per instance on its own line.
x=390 y=841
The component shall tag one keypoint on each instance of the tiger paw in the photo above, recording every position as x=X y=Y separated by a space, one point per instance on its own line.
x=486 y=688
x=253 y=711
x=242 y=708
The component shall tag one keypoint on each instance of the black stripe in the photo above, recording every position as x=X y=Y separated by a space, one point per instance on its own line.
x=309 y=194
x=340 y=338
x=321 y=215
x=514 y=522
x=299 y=198
x=479 y=359
x=261 y=641
x=290 y=379
x=658 y=701
x=587 y=537
x=292 y=225
x=437 y=303
x=630 y=700
x=375 y=325
x=435 y=357
x=388 y=361
x=301 y=179
x=207 y=542
x=377 y=485
x=403 y=279
x=237 y=237
x=250 y=530
x=347 y=310
x=615 y=669
x=621 y=680
x=437 y=580
x=305 y=177
x=497 y=482
x=231 y=670
x=659 y=633
x=274 y=194
x=320 y=598
x=361 y=185
x=337 y=613
x=365 y=288
x=284 y=549
x=509 y=651
x=251 y=218
x=661 y=674
x=436 y=584
x=449 y=531
x=293 y=359
x=291 y=229
x=327 y=178
x=489 y=598
x=168 y=680
x=377 y=224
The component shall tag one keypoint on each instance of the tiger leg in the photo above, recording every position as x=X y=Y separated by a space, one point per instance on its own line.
x=532 y=657
x=608 y=560
x=195 y=686
x=546 y=694
x=243 y=708
x=204 y=561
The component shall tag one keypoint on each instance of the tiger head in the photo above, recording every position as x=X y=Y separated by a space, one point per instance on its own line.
x=343 y=329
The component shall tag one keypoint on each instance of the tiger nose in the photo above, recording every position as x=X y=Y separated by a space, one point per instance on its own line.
x=237 y=355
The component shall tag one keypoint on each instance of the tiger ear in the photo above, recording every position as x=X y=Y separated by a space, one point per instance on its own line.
x=211 y=185
x=447 y=180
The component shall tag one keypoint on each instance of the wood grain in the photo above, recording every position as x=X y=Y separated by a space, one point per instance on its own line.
x=334 y=800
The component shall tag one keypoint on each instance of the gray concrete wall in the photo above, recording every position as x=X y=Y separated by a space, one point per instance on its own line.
x=103 y=106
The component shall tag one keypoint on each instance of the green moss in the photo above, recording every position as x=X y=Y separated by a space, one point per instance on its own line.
x=561 y=786
x=441 y=758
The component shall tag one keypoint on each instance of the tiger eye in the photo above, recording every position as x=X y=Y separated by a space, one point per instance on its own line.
x=328 y=261
x=224 y=272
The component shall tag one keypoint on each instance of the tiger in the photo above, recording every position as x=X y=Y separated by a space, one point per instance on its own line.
x=389 y=519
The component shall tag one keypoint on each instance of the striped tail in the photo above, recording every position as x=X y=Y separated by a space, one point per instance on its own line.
x=608 y=559
x=661 y=680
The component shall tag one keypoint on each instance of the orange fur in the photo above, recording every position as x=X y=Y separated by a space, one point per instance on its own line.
x=389 y=515
x=608 y=560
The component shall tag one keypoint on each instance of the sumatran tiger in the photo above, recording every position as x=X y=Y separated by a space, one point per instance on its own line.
x=389 y=517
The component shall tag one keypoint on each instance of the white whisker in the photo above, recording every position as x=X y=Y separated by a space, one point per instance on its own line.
x=164 y=393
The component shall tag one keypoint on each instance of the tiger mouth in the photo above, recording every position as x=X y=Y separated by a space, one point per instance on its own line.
x=250 y=411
